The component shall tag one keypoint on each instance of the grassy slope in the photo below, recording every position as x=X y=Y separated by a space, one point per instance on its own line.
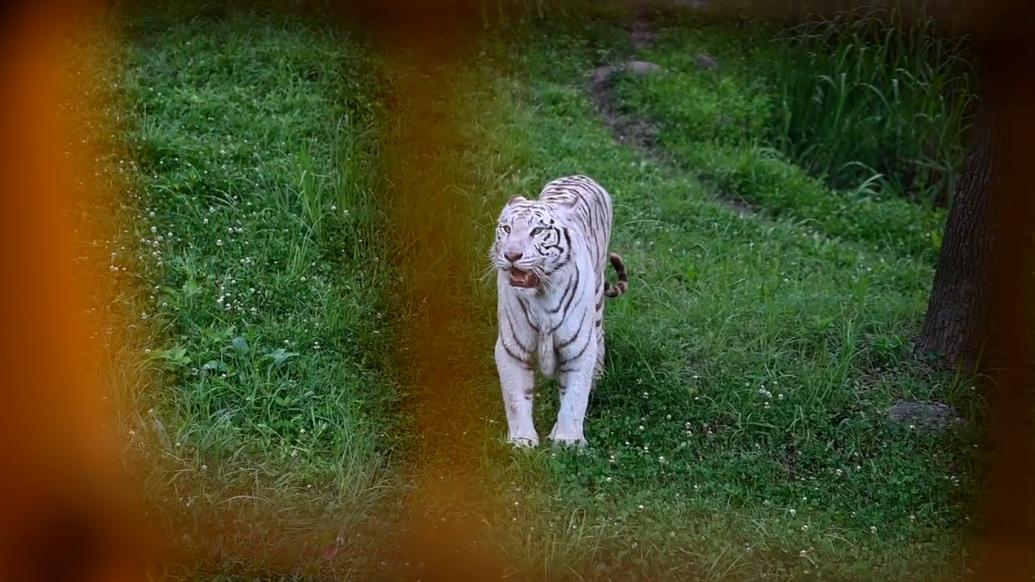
x=740 y=428
x=720 y=308
x=714 y=123
x=259 y=237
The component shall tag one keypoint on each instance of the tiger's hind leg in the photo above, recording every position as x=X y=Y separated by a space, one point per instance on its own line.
x=598 y=370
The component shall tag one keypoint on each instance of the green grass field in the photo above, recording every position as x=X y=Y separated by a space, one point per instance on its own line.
x=715 y=124
x=260 y=236
x=741 y=424
x=740 y=430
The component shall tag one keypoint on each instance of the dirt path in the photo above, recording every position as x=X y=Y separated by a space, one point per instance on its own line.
x=633 y=130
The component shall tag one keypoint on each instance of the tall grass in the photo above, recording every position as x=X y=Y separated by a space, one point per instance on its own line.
x=274 y=408
x=874 y=95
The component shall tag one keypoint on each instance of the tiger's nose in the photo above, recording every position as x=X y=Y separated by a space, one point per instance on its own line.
x=513 y=257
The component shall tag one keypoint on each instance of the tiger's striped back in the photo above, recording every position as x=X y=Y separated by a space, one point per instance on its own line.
x=592 y=212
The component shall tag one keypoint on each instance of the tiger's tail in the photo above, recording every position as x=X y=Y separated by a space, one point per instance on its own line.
x=623 y=277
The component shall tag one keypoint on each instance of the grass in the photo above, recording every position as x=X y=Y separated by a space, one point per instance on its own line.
x=716 y=124
x=875 y=94
x=873 y=101
x=253 y=136
x=740 y=429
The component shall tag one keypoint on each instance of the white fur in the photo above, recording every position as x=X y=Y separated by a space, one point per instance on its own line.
x=556 y=327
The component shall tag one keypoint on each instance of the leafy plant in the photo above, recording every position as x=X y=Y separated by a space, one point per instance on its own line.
x=875 y=95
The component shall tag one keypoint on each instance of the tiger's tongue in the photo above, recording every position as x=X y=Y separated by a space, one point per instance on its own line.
x=519 y=278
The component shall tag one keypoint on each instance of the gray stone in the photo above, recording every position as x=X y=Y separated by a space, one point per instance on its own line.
x=924 y=415
x=641 y=68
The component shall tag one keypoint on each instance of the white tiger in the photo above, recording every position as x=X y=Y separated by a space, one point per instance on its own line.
x=551 y=254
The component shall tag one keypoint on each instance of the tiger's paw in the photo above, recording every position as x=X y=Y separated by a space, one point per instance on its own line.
x=524 y=442
x=565 y=438
x=574 y=442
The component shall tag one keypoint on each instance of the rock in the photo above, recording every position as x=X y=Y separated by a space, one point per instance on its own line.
x=705 y=62
x=642 y=37
x=924 y=415
x=641 y=68
x=642 y=40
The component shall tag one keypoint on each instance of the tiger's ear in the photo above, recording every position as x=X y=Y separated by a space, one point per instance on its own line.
x=516 y=199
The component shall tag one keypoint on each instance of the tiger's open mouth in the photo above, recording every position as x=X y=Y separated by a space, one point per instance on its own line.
x=525 y=279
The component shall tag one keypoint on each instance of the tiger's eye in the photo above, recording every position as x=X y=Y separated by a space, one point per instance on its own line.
x=506 y=229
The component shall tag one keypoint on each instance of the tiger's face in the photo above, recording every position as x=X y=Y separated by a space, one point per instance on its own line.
x=532 y=242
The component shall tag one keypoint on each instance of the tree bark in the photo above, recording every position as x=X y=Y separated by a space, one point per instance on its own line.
x=977 y=316
x=980 y=312
x=958 y=321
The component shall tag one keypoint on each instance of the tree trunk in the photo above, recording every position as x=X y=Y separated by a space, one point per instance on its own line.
x=958 y=318
x=980 y=304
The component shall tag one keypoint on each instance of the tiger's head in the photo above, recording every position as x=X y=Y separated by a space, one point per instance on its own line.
x=532 y=242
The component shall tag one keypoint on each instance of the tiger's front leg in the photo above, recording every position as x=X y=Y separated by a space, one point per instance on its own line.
x=518 y=382
x=576 y=371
